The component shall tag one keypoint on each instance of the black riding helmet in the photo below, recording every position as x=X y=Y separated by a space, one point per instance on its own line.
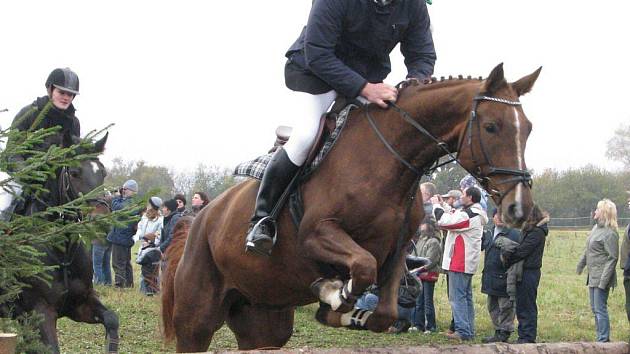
x=63 y=79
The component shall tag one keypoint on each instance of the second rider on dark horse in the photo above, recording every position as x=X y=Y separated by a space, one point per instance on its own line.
x=53 y=110
x=70 y=292
x=343 y=50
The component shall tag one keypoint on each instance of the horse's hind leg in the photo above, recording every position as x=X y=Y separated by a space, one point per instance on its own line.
x=257 y=328
x=93 y=311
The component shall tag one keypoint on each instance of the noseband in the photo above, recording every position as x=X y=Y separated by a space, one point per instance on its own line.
x=518 y=175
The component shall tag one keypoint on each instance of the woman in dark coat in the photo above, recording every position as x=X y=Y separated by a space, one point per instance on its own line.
x=530 y=251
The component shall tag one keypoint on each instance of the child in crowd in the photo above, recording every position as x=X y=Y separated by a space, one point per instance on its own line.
x=149 y=257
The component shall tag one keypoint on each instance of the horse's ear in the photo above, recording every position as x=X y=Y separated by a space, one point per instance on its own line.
x=525 y=84
x=99 y=146
x=495 y=81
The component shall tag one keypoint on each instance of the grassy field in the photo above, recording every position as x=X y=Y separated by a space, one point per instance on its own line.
x=563 y=307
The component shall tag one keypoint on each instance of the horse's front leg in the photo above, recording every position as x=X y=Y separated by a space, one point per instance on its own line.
x=48 y=326
x=386 y=311
x=330 y=244
x=93 y=311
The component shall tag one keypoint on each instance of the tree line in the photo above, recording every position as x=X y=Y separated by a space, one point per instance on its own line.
x=568 y=193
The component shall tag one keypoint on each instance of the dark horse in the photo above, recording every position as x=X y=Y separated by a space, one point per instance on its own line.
x=358 y=213
x=70 y=292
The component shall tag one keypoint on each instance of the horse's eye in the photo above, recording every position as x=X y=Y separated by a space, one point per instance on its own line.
x=75 y=173
x=491 y=128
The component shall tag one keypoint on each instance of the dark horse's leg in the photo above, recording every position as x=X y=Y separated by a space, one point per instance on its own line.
x=93 y=311
x=48 y=327
x=258 y=328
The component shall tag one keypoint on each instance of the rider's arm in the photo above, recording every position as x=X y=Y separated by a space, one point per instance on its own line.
x=417 y=44
x=325 y=24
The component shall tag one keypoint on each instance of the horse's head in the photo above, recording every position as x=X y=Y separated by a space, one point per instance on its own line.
x=492 y=144
x=89 y=174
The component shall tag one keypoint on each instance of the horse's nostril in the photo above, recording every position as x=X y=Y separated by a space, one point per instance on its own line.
x=515 y=210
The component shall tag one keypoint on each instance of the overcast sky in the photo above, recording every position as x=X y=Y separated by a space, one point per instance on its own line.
x=189 y=82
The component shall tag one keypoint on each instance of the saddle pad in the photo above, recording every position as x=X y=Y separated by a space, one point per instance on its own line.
x=255 y=168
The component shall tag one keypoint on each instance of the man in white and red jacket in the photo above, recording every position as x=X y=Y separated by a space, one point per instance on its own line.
x=462 y=250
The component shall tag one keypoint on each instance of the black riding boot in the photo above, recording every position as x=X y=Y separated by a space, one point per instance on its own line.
x=279 y=172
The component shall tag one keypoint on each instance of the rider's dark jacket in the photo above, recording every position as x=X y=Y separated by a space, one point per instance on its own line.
x=26 y=118
x=346 y=43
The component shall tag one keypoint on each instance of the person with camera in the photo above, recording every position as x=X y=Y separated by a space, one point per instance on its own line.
x=121 y=237
x=462 y=250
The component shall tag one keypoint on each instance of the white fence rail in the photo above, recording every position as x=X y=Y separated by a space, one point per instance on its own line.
x=580 y=222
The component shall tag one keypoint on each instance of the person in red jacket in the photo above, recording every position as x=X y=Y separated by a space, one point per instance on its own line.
x=462 y=250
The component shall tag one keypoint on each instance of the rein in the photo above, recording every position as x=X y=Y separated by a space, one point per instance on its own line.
x=520 y=176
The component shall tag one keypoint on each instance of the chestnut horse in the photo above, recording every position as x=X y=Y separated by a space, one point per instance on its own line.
x=359 y=211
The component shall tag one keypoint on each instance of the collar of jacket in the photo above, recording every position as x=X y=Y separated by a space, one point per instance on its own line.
x=40 y=102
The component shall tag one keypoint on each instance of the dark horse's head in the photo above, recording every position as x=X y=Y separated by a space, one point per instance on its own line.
x=492 y=144
x=90 y=173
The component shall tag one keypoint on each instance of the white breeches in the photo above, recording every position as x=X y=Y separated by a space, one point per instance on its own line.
x=306 y=123
x=8 y=192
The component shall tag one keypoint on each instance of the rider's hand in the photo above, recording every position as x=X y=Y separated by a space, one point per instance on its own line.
x=379 y=93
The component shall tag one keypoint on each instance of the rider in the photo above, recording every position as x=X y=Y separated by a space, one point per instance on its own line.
x=45 y=112
x=343 y=50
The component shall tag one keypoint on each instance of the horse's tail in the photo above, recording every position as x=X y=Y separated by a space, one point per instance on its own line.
x=173 y=255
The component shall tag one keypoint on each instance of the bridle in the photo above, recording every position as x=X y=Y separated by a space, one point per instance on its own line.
x=518 y=175
x=485 y=179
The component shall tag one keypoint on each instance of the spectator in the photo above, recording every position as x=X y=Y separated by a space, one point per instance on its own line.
x=151 y=222
x=199 y=201
x=530 y=251
x=600 y=257
x=171 y=216
x=122 y=238
x=149 y=258
x=461 y=257
x=149 y=228
x=625 y=263
x=452 y=198
x=494 y=281
x=428 y=246
x=427 y=190
x=181 y=203
x=471 y=181
x=408 y=292
x=101 y=261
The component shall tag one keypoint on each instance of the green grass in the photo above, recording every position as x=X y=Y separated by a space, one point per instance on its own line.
x=563 y=310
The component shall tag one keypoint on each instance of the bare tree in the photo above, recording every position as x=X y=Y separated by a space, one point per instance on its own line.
x=618 y=147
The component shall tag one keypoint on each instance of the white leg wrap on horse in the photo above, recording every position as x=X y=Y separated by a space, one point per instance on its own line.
x=333 y=299
x=336 y=298
x=306 y=123
x=355 y=318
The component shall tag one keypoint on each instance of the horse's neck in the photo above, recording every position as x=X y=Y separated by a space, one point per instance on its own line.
x=443 y=111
